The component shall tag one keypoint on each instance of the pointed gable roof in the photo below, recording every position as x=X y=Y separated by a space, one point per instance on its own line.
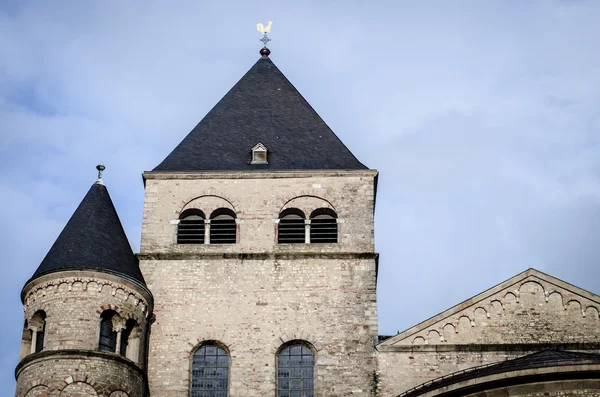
x=262 y=107
x=568 y=293
x=93 y=239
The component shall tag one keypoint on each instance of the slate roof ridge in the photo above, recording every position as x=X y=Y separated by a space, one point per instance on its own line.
x=93 y=239
x=263 y=106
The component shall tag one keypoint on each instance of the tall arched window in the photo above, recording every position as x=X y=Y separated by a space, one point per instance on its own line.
x=190 y=229
x=38 y=330
x=295 y=371
x=108 y=337
x=210 y=371
x=292 y=228
x=222 y=227
x=323 y=226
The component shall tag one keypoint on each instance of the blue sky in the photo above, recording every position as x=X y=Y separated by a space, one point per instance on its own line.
x=481 y=117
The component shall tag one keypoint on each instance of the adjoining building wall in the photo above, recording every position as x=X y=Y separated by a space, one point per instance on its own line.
x=254 y=296
x=526 y=314
x=562 y=388
x=400 y=371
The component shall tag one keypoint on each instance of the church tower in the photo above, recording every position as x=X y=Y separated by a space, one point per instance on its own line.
x=257 y=243
x=86 y=311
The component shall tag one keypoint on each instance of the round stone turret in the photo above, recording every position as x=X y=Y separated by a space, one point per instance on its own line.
x=87 y=311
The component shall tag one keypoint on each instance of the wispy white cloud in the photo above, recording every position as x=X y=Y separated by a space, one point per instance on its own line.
x=481 y=117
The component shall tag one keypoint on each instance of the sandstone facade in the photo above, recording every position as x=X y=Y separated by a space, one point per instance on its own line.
x=256 y=295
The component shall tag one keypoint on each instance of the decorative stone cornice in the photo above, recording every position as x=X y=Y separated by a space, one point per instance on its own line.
x=51 y=283
x=46 y=355
x=256 y=255
x=498 y=347
x=256 y=174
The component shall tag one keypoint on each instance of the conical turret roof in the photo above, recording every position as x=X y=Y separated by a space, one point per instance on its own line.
x=93 y=239
x=263 y=107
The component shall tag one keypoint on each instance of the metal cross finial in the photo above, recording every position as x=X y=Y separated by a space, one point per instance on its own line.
x=265 y=39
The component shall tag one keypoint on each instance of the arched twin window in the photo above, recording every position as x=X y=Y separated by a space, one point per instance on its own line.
x=293 y=228
x=210 y=371
x=125 y=341
x=221 y=228
x=295 y=371
x=193 y=228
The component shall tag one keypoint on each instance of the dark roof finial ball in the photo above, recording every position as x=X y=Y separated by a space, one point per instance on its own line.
x=265 y=52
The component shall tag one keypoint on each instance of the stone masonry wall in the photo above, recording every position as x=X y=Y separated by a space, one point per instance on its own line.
x=256 y=295
x=51 y=374
x=253 y=307
x=530 y=312
x=257 y=203
x=400 y=371
x=73 y=302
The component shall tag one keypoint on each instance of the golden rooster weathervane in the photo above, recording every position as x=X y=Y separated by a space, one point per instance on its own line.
x=264 y=30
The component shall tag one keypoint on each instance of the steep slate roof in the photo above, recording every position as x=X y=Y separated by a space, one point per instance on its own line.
x=541 y=359
x=93 y=239
x=262 y=107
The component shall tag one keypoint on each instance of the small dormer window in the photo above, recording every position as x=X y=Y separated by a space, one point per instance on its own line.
x=259 y=154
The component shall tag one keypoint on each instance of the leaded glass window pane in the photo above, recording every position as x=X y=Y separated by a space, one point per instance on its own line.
x=295 y=372
x=108 y=337
x=210 y=372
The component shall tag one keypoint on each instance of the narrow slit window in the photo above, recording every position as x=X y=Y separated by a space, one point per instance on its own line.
x=191 y=228
x=125 y=334
x=323 y=226
x=39 y=322
x=108 y=337
x=292 y=227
